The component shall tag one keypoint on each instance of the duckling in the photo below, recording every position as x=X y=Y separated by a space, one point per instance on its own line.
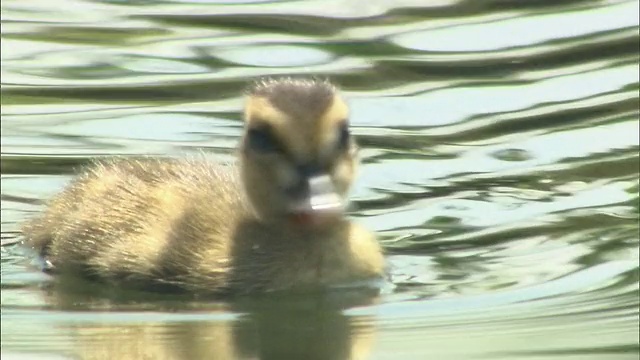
x=274 y=221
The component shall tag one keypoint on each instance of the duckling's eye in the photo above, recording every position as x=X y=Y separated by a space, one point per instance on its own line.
x=262 y=140
x=343 y=135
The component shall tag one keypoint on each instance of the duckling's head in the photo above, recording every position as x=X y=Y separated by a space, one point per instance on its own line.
x=298 y=158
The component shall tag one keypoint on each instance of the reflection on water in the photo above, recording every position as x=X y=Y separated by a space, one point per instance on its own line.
x=272 y=327
x=500 y=169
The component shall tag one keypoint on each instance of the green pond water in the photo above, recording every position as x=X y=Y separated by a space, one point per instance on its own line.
x=500 y=170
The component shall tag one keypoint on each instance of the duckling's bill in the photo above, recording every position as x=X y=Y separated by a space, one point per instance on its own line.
x=322 y=202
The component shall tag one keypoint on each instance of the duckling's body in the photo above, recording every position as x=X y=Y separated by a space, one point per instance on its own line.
x=190 y=224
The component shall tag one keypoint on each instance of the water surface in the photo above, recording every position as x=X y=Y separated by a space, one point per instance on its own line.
x=500 y=169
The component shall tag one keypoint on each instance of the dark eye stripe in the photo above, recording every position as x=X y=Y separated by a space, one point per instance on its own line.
x=344 y=135
x=261 y=139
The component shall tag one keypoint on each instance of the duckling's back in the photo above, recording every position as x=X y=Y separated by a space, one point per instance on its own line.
x=136 y=220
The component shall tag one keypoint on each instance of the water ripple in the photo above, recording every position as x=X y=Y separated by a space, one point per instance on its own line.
x=500 y=168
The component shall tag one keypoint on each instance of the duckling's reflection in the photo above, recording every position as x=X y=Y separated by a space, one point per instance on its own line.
x=275 y=326
x=303 y=333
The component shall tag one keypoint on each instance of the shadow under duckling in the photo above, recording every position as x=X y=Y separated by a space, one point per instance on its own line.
x=275 y=222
